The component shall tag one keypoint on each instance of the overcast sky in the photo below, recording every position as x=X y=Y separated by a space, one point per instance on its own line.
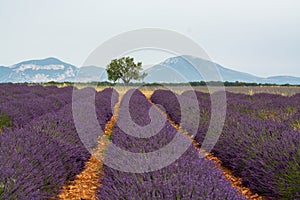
x=258 y=37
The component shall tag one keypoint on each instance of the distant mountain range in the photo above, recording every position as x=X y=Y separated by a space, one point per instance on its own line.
x=188 y=68
x=176 y=69
x=50 y=69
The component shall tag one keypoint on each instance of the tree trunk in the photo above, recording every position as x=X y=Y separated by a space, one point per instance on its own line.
x=126 y=82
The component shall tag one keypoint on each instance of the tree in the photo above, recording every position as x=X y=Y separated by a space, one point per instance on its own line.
x=125 y=69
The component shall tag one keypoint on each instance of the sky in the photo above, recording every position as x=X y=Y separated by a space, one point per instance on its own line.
x=257 y=37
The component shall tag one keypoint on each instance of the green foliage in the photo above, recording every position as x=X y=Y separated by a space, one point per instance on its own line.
x=289 y=179
x=1 y=189
x=105 y=83
x=296 y=124
x=290 y=110
x=125 y=69
x=5 y=121
x=109 y=137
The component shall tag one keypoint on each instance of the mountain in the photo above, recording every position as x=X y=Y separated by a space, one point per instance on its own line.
x=4 y=74
x=49 y=69
x=44 y=70
x=283 y=80
x=188 y=69
x=173 y=70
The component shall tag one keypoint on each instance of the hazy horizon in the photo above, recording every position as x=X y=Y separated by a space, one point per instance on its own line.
x=259 y=38
x=147 y=67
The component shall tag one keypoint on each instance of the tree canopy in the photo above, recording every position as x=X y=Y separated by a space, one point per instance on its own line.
x=125 y=69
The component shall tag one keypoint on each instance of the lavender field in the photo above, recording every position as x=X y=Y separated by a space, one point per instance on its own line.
x=39 y=146
x=41 y=150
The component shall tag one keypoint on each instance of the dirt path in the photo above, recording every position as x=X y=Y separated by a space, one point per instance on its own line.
x=85 y=185
x=235 y=181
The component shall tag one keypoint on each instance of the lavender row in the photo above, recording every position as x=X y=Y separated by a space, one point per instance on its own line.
x=128 y=176
x=38 y=159
x=263 y=151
